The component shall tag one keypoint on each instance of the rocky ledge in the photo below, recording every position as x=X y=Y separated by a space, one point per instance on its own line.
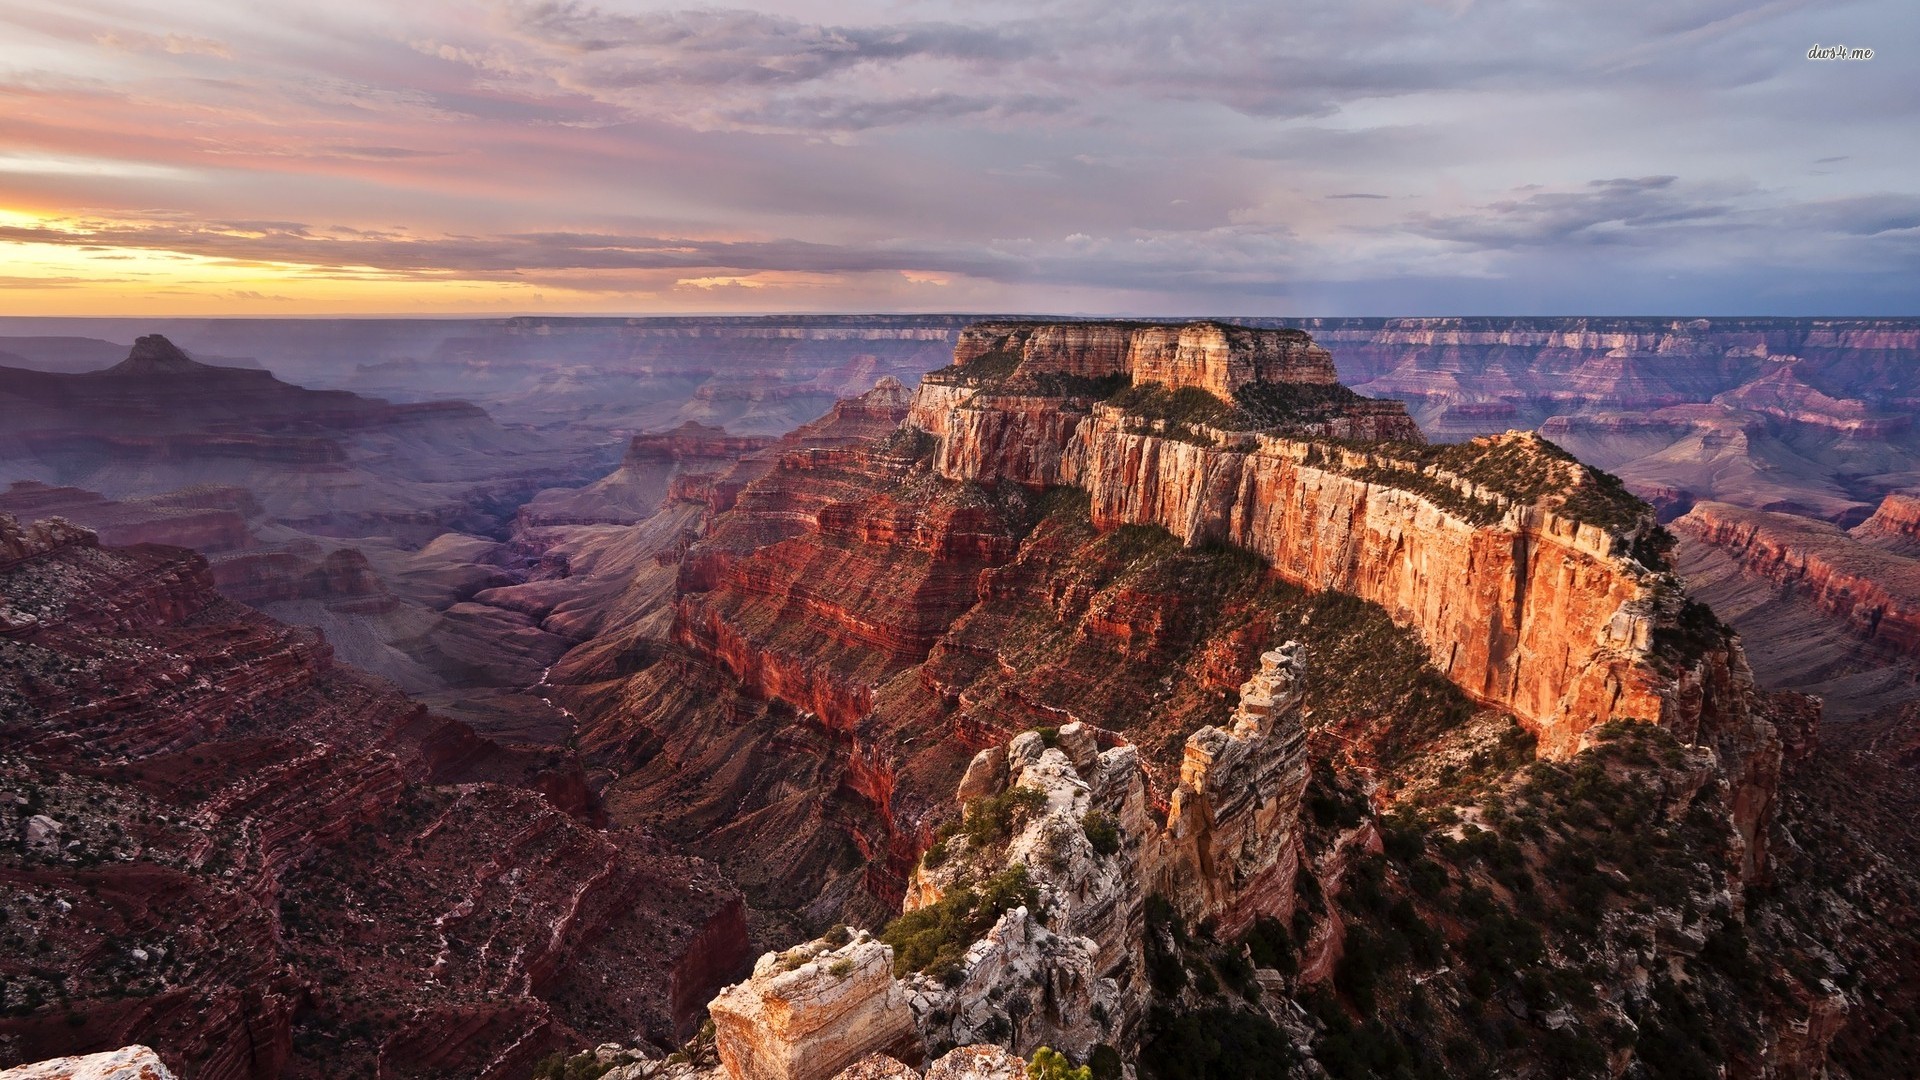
x=127 y=1063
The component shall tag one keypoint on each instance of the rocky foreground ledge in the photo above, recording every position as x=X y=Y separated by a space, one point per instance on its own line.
x=127 y=1063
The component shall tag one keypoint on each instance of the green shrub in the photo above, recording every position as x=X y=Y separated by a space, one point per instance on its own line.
x=991 y=820
x=1101 y=832
x=1270 y=944
x=1050 y=1064
x=933 y=939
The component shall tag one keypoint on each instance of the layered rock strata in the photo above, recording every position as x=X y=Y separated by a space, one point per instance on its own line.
x=1066 y=969
x=1874 y=591
x=298 y=870
x=810 y=1012
x=1536 y=611
x=1231 y=844
x=1894 y=526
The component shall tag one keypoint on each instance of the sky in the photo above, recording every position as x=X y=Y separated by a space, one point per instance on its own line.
x=1348 y=157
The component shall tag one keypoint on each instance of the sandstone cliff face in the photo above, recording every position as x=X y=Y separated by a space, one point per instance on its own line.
x=1214 y=357
x=1521 y=604
x=1536 y=612
x=1231 y=845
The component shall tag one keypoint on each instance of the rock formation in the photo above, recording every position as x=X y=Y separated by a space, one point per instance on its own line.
x=1214 y=357
x=810 y=1012
x=126 y=1063
x=1522 y=603
x=1874 y=592
x=1232 y=839
x=367 y=881
x=1894 y=526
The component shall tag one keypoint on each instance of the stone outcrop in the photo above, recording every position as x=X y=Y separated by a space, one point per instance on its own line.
x=1066 y=972
x=810 y=1012
x=1231 y=844
x=126 y=1063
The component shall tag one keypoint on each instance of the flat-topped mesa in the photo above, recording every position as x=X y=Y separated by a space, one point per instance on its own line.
x=1214 y=357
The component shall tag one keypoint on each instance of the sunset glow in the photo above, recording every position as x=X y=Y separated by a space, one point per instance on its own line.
x=497 y=155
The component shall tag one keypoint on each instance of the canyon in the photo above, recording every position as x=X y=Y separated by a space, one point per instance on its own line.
x=765 y=679
x=1099 y=600
x=1802 y=416
x=269 y=864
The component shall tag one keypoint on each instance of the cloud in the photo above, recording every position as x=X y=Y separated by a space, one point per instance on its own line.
x=861 y=114
x=1603 y=212
x=729 y=46
x=1073 y=154
x=495 y=256
x=176 y=44
x=57 y=282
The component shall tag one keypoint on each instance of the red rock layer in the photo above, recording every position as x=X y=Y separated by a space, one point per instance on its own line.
x=1875 y=592
x=1535 y=614
x=1894 y=526
x=224 y=846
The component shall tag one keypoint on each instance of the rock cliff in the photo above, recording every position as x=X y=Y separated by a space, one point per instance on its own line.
x=1045 y=543
x=1522 y=603
x=1894 y=526
x=1873 y=591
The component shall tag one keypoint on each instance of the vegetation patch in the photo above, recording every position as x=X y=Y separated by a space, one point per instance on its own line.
x=991 y=820
x=934 y=939
x=1102 y=832
x=989 y=367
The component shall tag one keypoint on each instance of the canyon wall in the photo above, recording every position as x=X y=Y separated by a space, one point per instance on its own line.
x=1894 y=526
x=1873 y=591
x=1535 y=612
